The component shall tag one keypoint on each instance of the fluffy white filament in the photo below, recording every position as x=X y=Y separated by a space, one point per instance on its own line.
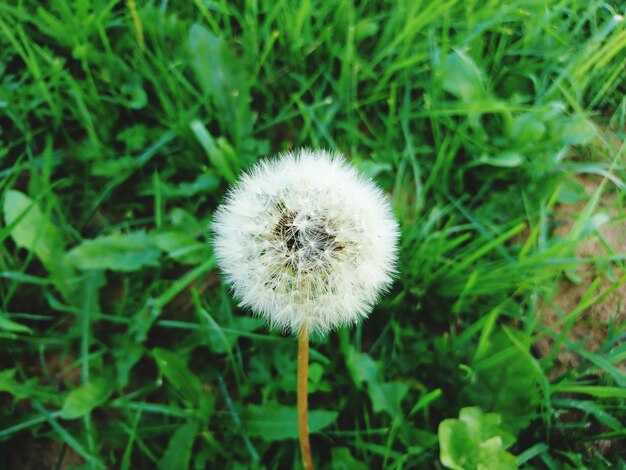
x=306 y=242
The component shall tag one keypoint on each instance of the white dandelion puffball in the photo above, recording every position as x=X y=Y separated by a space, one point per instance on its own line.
x=306 y=241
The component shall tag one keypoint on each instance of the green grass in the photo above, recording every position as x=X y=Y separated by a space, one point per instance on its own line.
x=121 y=126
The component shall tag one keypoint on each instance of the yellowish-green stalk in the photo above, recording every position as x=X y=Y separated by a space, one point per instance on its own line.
x=303 y=405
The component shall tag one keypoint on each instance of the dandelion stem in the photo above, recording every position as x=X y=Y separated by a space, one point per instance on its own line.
x=303 y=393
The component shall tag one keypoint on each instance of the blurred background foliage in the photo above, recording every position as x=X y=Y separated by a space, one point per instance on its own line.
x=121 y=126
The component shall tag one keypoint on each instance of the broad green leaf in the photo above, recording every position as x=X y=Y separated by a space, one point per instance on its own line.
x=385 y=396
x=117 y=252
x=178 y=453
x=33 y=231
x=475 y=441
x=275 y=422
x=181 y=246
x=491 y=456
x=505 y=383
x=85 y=398
x=223 y=77
x=463 y=78
x=316 y=382
x=457 y=445
x=485 y=425
x=362 y=367
x=7 y=324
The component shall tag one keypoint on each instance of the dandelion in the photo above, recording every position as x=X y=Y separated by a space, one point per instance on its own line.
x=306 y=242
x=309 y=244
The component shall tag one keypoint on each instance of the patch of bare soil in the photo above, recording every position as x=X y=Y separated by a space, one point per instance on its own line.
x=591 y=327
x=43 y=454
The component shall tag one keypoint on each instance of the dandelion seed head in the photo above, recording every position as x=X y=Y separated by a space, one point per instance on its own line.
x=307 y=242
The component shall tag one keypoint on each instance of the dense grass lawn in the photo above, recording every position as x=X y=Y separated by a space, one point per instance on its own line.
x=495 y=128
